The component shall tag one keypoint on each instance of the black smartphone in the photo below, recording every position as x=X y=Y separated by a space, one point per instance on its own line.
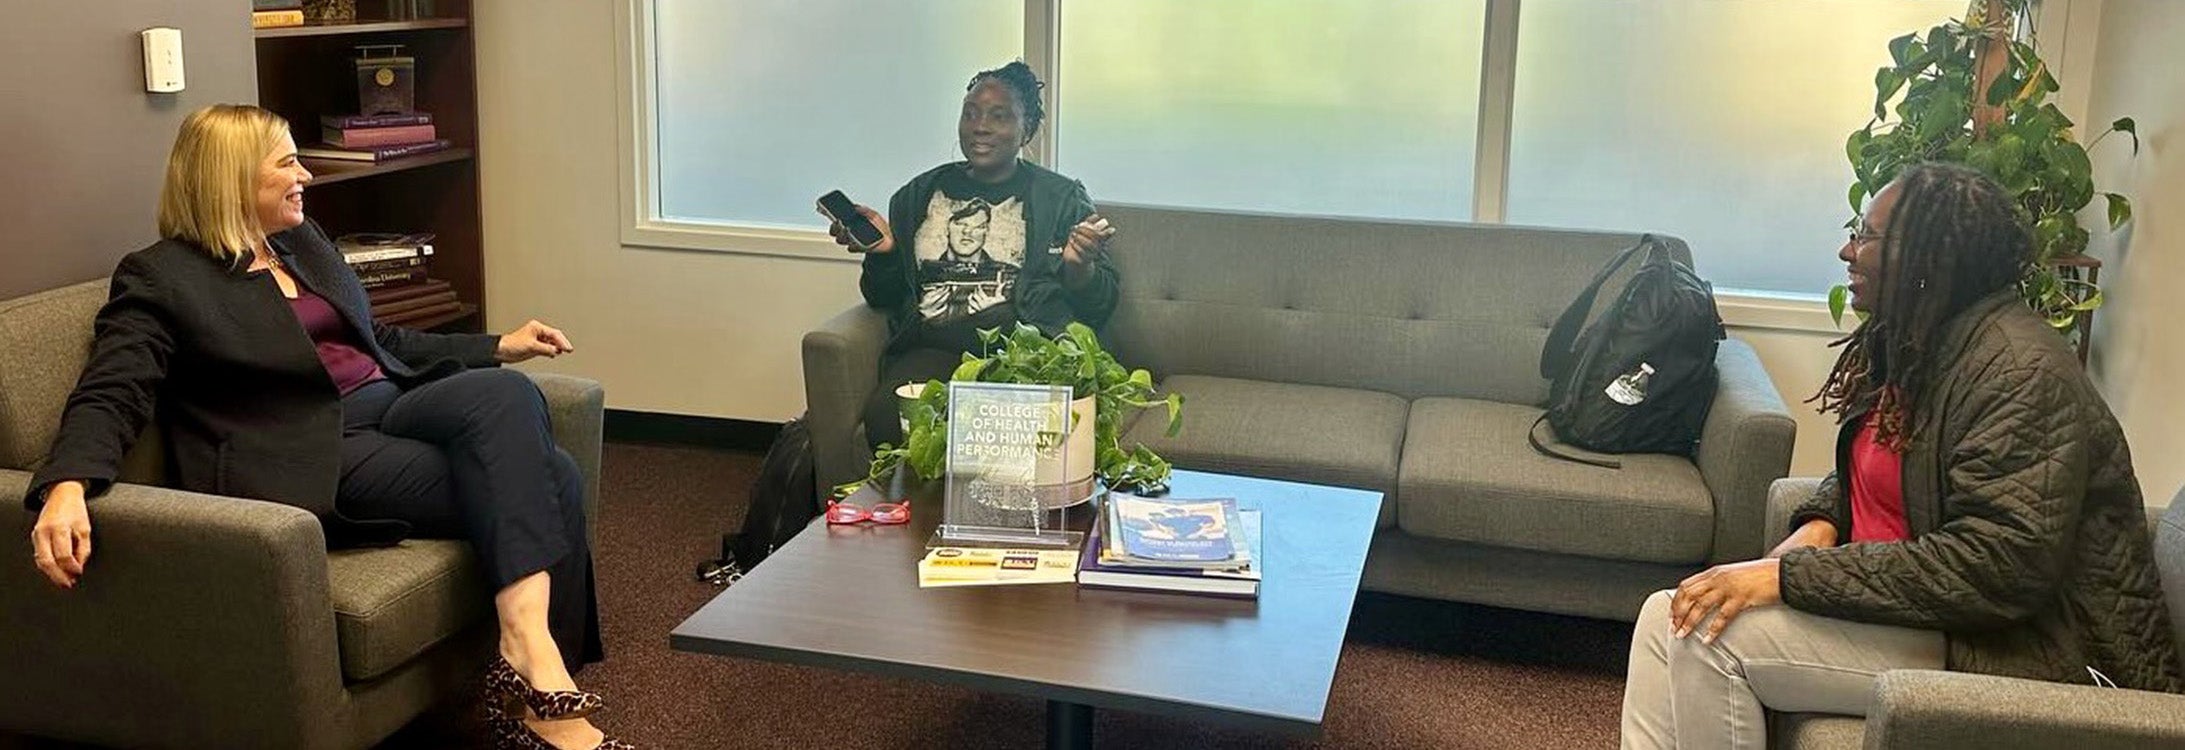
x=862 y=232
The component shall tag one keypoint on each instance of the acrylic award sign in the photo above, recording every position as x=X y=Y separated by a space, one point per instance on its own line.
x=1002 y=439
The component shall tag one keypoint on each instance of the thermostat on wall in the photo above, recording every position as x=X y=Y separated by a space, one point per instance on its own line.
x=162 y=59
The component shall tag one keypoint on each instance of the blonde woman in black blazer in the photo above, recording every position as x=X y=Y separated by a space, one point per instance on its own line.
x=256 y=344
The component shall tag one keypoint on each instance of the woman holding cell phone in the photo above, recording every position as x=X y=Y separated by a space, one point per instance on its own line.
x=981 y=243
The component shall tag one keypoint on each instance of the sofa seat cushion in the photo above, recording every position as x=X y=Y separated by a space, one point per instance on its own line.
x=393 y=603
x=1304 y=433
x=1815 y=732
x=1469 y=475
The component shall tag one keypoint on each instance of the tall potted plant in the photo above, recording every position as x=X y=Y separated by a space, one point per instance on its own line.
x=1074 y=358
x=1975 y=92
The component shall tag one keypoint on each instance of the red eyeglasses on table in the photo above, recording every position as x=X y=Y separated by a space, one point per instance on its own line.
x=886 y=514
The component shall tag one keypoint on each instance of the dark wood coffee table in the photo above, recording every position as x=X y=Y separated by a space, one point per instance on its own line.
x=847 y=597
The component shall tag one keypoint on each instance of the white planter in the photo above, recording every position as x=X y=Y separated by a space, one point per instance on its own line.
x=1070 y=481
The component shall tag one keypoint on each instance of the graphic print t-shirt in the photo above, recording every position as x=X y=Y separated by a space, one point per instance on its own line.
x=970 y=247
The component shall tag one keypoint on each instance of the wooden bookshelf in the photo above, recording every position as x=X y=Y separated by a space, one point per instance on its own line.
x=329 y=171
x=365 y=27
x=306 y=72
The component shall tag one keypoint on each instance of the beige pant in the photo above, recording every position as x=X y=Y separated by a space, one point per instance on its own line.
x=1682 y=693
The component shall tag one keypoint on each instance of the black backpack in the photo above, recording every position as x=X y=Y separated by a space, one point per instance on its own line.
x=1642 y=377
x=784 y=499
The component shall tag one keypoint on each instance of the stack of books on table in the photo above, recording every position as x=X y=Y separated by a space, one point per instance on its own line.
x=1159 y=544
x=395 y=270
x=375 y=137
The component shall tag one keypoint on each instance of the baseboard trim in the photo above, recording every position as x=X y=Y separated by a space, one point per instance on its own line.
x=625 y=426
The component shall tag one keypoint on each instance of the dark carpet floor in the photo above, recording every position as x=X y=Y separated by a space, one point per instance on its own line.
x=1414 y=673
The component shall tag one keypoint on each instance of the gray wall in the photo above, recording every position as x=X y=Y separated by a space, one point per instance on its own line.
x=82 y=145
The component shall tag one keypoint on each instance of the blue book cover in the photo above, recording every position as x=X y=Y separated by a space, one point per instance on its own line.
x=1192 y=531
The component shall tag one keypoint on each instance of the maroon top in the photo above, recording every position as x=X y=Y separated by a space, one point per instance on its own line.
x=349 y=366
x=1877 y=489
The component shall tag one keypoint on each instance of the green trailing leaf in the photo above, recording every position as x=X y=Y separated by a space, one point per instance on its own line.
x=2120 y=210
x=2126 y=126
x=1838 y=296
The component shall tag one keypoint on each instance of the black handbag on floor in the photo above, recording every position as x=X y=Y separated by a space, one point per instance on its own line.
x=784 y=499
x=1641 y=378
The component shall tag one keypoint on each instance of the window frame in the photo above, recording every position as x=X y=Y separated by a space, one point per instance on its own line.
x=2069 y=49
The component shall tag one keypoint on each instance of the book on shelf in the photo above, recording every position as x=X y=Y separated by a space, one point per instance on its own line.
x=1172 y=532
x=392 y=294
x=378 y=279
x=409 y=317
x=276 y=4
x=276 y=19
x=377 y=153
x=1095 y=569
x=980 y=566
x=361 y=138
x=371 y=247
x=375 y=121
x=390 y=264
x=445 y=298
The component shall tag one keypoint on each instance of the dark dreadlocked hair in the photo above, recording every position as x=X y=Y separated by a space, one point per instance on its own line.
x=1025 y=85
x=1954 y=238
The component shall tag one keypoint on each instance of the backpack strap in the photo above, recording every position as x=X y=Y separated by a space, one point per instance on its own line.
x=1533 y=436
x=1555 y=358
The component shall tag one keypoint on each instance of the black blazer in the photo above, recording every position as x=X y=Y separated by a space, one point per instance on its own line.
x=245 y=406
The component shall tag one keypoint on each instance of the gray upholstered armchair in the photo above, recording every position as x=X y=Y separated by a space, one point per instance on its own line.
x=219 y=622
x=1934 y=710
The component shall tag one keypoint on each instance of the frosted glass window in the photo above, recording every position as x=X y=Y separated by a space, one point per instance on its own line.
x=1720 y=121
x=1347 y=107
x=765 y=104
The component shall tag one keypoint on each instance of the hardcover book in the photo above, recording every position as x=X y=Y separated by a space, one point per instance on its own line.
x=361 y=138
x=1242 y=581
x=377 y=279
x=445 y=298
x=420 y=314
x=376 y=121
x=392 y=294
x=380 y=153
x=1174 y=531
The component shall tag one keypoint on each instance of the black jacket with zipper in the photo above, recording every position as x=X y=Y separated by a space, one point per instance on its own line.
x=2029 y=547
x=241 y=398
x=1053 y=204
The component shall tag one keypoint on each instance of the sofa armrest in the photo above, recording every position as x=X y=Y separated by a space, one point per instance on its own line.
x=213 y=608
x=841 y=369
x=577 y=409
x=1934 y=709
x=1745 y=444
x=1784 y=497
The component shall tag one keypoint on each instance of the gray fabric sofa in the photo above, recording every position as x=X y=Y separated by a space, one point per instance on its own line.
x=1401 y=357
x=220 y=622
x=1917 y=708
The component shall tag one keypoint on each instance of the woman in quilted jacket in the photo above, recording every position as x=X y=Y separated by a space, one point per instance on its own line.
x=1983 y=516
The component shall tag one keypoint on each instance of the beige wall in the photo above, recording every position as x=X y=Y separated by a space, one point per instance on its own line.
x=82 y=145
x=2139 y=354
x=703 y=333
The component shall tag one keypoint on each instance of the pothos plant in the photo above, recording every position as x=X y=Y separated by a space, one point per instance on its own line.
x=1974 y=92
x=1074 y=358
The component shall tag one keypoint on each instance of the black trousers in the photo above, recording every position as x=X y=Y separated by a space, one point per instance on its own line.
x=919 y=365
x=471 y=457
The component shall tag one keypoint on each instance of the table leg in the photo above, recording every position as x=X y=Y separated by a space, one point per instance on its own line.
x=1069 y=726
